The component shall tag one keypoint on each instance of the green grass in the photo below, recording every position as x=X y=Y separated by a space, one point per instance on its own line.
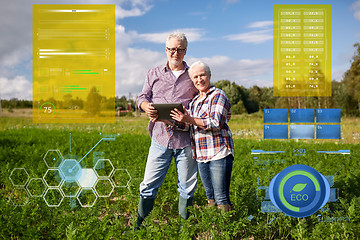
x=23 y=145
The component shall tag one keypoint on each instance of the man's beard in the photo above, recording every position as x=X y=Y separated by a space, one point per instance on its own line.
x=176 y=62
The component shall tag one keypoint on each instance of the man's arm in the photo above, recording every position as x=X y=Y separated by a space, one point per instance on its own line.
x=145 y=98
x=149 y=110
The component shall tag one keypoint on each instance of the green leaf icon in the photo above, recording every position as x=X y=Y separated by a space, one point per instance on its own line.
x=299 y=187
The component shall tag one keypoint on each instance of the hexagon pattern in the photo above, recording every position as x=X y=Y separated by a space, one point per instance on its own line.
x=53 y=158
x=53 y=197
x=19 y=177
x=104 y=187
x=88 y=178
x=87 y=197
x=121 y=178
x=52 y=178
x=103 y=168
x=66 y=178
x=36 y=187
x=70 y=170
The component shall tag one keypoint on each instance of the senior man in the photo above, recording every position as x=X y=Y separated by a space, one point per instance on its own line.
x=168 y=83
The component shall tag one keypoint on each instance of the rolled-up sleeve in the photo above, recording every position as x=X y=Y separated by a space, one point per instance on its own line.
x=219 y=112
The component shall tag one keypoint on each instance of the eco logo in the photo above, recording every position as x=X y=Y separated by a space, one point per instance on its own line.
x=299 y=190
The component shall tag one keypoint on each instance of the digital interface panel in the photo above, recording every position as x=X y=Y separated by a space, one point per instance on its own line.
x=287 y=182
x=276 y=115
x=302 y=50
x=73 y=63
x=278 y=126
x=302 y=115
x=328 y=115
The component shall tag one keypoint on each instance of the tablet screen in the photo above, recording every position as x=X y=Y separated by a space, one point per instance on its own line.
x=164 y=109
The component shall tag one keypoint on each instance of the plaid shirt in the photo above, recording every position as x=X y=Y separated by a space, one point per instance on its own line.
x=214 y=111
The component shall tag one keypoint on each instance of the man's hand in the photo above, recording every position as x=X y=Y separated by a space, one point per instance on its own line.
x=149 y=110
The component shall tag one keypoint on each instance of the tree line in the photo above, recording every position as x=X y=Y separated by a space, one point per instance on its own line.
x=345 y=95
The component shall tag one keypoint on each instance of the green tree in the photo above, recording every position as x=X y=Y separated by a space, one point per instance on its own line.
x=221 y=84
x=238 y=108
x=352 y=80
x=93 y=102
x=253 y=99
x=233 y=92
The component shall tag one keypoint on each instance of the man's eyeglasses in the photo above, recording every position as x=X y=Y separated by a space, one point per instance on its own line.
x=178 y=50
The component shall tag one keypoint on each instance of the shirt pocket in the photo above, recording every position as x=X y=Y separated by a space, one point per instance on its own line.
x=204 y=111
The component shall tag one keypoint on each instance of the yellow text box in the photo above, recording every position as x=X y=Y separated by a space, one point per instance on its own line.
x=73 y=63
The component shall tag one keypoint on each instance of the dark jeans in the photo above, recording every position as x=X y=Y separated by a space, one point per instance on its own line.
x=215 y=176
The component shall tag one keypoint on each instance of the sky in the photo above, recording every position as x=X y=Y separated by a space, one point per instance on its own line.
x=233 y=36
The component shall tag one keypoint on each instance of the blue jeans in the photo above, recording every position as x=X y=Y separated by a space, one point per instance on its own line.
x=157 y=165
x=215 y=176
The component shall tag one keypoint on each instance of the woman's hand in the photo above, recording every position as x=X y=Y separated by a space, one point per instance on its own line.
x=179 y=116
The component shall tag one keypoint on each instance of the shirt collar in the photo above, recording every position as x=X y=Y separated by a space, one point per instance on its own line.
x=208 y=92
x=166 y=68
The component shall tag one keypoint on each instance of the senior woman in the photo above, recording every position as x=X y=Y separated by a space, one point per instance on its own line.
x=208 y=115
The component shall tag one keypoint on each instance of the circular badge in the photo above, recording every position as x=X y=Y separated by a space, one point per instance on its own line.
x=299 y=190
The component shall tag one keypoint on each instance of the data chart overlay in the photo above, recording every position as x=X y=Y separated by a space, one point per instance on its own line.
x=302 y=123
x=73 y=63
x=302 y=50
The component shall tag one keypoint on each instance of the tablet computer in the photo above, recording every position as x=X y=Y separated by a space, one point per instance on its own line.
x=164 y=109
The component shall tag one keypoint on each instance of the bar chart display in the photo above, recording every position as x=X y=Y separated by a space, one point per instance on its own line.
x=73 y=63
x=302 y=50
x=303 y=124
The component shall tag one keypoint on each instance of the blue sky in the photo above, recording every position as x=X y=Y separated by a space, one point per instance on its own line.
x=233 y=36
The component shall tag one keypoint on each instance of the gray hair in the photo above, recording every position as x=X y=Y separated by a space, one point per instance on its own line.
x=179 y=35
x=202 y=65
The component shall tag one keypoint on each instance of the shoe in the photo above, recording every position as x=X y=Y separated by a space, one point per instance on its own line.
x=211 y=203
x=225 y=207
x=144 y=209
x=183 y=204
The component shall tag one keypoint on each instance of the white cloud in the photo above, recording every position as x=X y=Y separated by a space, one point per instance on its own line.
x=16 y=39
x=251 y=37
x=18 y=87
x=138 y=8
x=192 y=34
x=357 y=15
x=356 y=7
x=132 y=66
x=244 y=72
x=256 y=37
x=260 y=24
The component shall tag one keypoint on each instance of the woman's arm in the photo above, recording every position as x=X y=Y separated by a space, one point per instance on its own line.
x=219 y=114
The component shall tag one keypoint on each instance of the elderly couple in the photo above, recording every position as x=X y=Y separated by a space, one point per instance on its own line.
x=197 y=139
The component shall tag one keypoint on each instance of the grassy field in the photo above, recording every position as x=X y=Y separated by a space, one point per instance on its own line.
x=23 y=145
